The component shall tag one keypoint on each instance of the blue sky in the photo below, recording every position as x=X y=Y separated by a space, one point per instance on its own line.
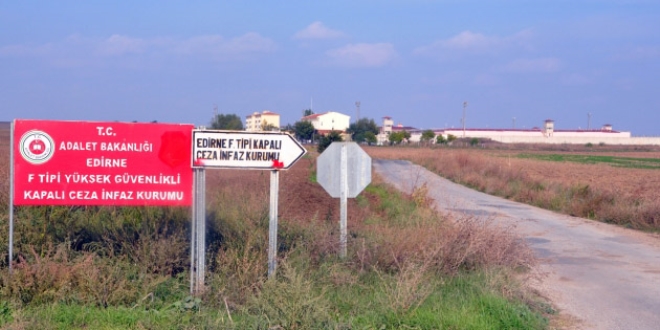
x=414 y=60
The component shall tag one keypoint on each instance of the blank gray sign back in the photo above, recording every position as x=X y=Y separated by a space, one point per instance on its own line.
x=329 y=168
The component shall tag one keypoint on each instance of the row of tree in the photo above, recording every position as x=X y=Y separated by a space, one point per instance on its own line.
x=363 y=131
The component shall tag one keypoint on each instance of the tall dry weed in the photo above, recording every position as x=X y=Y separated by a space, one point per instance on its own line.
x=290 y=301
x=445 y=246
x=408 y=287
x=57 y=276
x=4 y=182
x=237 y=232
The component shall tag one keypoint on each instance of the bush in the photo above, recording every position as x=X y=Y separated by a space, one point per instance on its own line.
x=326 y=140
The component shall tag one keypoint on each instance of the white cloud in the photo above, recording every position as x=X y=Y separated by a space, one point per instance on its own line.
x=120 y=45
x=576 y=80
x=81 y=49
x=538 y=65
x=220 y=48
x=638 y=53
x=26 y=50
x=317 y=30
x=362 y=55
x=468 y=41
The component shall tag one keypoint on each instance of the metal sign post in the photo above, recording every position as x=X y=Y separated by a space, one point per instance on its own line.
x=272 y=224
x=343 y=170
x=10 y=257
x=198 y=233
x=343 y=201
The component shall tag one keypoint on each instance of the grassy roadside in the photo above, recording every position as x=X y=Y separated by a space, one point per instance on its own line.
x=125 y=268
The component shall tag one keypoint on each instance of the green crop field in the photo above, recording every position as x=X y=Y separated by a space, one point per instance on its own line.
x=628 y=162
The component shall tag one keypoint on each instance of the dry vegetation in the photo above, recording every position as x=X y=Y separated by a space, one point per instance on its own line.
x=138 y=257
x=625 y=196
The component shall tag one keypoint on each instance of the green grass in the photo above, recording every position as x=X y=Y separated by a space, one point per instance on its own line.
x=465 y=301
x=63 y=316
x=627 y=162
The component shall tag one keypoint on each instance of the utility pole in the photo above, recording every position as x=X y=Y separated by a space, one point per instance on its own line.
x=514 y=122
x=588 y=120
x=464 y=106
x=357 y=105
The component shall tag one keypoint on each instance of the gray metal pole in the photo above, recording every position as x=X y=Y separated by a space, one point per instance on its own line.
x=10 y=257
x=272 y=226
x=203 y=218
x=343 y=197
x=193 y=225
x=201 y=231
x=198 y=233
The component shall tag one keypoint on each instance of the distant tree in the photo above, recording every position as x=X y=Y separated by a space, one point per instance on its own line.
x=451 y=138
x=308 y=112
x=288 y=128
x=396 y=137
x=326 y=140
x=227 y=122
x=370 y=137
x=427 y=135
x=303 y=130
x=406 y=135
x=440 y=139
x=474 y=141
x=360 y=128
x=266 y=126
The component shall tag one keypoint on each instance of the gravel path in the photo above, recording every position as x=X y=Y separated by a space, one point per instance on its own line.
x=600 y=275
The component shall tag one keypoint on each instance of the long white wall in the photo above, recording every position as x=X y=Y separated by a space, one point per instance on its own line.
x=533 y=133
x=557 y=137
x=579 y=140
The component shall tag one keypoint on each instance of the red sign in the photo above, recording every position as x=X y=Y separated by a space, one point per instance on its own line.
x=101 y=163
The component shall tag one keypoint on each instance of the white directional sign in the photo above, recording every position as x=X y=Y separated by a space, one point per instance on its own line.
x=245 y=150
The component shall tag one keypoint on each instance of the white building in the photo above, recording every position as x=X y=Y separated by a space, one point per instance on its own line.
x=257 y=121
x=329 y=121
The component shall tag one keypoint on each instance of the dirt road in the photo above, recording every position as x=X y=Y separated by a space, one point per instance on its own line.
x=605 y=276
